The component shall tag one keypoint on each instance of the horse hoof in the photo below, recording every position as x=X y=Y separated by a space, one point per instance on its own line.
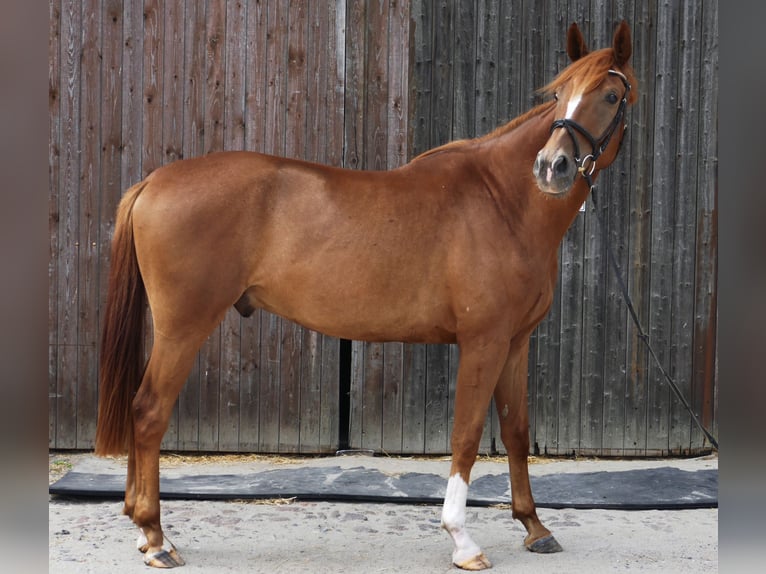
x=545 y=545
x=478 y=562
x=163 y=559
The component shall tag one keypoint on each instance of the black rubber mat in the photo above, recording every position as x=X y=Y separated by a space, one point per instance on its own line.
x=656 y=488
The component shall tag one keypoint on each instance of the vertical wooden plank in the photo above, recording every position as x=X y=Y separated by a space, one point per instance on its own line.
x=295 y=146
x=615 y=326
x=111 y=133
x=69 y=193
x=397 y=106
x=484 y=103
x=332 y=36
x=174 y=49
x=372 y=396
x=510 y=61
x=413 y=398
x=594 y=292
x=506 y=104
x=684 y=235
x=464 y=85
x=354 y=157
x=255 y=77
x=87 y=242
x=641 y=134
x=439 y=402
x=152 y=87
x=453 y=359
x=664 y=192
x=254 y=132
x=233 y=53
x=439 y=399
x=548 y=333
x=276 y=52
x=422 y=77
x=214 y=80
x=413 y=356
x=190 y=399
x=274 y=142
x=570 y=286
x=151 y=103
x=132 y=109
x=235 y=58
x=706 y=285
x=532 y=77
x=311 y=382
x=54 y=178
x=319 y=385
x=442 y=79
x=170 y=148
x=487 y=45
x=392 y=422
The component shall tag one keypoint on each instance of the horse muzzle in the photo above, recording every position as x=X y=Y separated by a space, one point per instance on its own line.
x=555 y=173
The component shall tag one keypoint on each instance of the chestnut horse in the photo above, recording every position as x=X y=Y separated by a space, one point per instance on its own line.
x=458 y=246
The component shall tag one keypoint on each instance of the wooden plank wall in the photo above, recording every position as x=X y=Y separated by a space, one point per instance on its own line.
x=134 y=86
x=592 y=389
x=370 y=84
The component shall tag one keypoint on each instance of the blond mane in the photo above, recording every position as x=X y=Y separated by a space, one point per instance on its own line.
x=589 y=71
x=498 y=131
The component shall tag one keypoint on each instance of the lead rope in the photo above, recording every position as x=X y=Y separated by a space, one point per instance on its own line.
x=631 y=309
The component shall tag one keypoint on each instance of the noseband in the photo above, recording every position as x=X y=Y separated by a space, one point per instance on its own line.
x=597 y=145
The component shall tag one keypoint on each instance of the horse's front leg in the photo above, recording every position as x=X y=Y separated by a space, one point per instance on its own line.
x=480 y=366
x=512 y=409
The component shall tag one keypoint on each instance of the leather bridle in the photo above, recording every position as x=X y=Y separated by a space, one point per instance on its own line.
x=597 y=145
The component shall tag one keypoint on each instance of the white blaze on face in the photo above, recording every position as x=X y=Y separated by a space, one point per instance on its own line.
x=453 y=520
x=572 y=105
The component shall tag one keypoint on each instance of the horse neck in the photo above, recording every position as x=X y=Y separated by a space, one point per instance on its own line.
x=508 y=160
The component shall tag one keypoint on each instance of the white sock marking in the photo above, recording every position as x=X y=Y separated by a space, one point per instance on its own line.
x=453 y=520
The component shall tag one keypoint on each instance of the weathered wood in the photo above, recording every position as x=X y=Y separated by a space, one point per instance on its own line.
x=704 y=394
x=54 y=173
x=88 y=222
x=664 y=194
x=171 y=147
x=370 y=85
x=68 y=239
x=328 y=147
x=189 y=401
x=685 y=222
x=617 y=200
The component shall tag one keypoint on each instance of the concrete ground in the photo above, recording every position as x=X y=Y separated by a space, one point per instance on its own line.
x=370 y=538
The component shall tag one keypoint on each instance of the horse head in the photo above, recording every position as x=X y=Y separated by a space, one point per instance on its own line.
x=591 y=94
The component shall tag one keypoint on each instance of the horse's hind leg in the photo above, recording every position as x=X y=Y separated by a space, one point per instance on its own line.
x=166 y=372
x=512 y=409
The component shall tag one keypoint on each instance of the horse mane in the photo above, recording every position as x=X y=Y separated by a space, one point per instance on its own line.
x=498 y=131
x=589 y=71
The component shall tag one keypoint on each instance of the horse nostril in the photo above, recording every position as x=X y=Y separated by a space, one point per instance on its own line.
x=560 y=165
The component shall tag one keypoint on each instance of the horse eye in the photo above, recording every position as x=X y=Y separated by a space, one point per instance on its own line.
x=555 y=96
x=611 y=98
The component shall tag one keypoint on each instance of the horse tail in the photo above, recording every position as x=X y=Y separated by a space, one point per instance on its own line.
x=122 y=346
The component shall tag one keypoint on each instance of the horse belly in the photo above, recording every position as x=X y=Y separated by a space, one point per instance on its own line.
x=360 y=306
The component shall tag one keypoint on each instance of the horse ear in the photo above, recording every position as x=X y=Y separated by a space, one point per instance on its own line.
x=623 y=47
x=575 y=43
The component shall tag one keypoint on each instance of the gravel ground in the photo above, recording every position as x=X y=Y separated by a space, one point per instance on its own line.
x=316 y=537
